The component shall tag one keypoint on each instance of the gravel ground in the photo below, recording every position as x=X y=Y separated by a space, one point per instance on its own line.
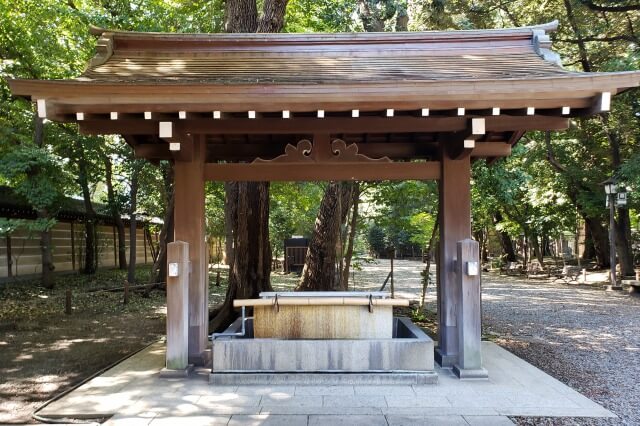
x=581 y=335
x=585 y=337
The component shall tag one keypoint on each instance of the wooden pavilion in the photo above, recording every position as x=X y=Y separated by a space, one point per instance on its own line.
x=366 y=106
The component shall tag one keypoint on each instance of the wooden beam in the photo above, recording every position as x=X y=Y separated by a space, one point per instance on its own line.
x=462 y=144
x=599 y=104
x=491 y=149
x=346 y=125
x=266 y=150
x=319 y=172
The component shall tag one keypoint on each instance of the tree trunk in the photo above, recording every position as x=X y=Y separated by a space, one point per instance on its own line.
x=241 y=16
x=250 y=266
x=525 y=251
x=319 y=272
x=47 y=254
x=623 y=237
x=371 y=21
x=251 y=269
x=272 y=19
x=230 y=198
x=159 y=269
x=589 y=249
x=600 y=241
x=115 y=213
x=90 y=257
x=623 y=224
x=133 y=196
x=505 y=240
x=46 y=249
x=537 y=250
x=352 y=235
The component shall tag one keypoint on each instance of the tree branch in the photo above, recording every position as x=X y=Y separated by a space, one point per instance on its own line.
x=610 y=39
x=600 y=8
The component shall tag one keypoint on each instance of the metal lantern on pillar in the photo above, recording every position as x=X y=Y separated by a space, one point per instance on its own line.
x=621 y=199
x=610 y=186
x=611 y=189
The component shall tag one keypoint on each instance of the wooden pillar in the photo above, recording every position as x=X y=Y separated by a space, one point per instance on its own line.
x=190 y=227
x=469 y=364
x=455 y=225
x=177 y=310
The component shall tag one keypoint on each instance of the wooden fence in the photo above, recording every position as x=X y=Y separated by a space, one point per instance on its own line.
x=20 y=251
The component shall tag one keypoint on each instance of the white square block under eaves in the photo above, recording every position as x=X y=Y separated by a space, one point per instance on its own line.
x=165 y=129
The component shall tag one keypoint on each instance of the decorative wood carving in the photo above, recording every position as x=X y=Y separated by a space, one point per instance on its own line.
x=304 y=152
x=349 y=154
x=301 y=153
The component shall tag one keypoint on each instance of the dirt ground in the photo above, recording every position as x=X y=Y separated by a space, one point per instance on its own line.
x=43 y=351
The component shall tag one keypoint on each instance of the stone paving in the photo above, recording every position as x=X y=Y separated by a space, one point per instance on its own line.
x=133 y=393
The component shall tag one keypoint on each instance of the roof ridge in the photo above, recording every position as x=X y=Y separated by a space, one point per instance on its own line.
x=545 y=27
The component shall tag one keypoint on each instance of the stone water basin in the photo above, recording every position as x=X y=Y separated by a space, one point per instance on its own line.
x=308 y=338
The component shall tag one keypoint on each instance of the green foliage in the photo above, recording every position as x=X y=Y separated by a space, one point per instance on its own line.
x=320 y=16
x=404 y=211
x=377 y=240
x=292 y=211
x=35 y=174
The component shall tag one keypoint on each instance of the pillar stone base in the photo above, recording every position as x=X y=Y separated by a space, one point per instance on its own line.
x=613 y=287
x=169 y=373
x=202 y=359
x=445 y=360
x=468 y=373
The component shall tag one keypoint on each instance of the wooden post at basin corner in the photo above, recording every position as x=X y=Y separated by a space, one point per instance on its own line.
x=455 y=225
x=177 y=310
x=189 y=217
x=469 y=365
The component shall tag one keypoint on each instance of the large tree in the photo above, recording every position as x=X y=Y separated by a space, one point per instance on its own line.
x=248 y=202
x=320 y=271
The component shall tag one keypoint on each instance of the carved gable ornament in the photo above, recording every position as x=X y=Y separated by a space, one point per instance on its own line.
x=307 y=152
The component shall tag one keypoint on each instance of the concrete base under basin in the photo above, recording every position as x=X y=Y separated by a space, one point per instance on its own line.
x=407 y=358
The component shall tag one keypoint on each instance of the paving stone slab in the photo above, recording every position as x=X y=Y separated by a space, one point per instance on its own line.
x=292 y=401
x=230 y=399
x=202 y=420
x=439 y=411
x=355 y=401
x=325 y=390
x=136 y=419
x=426 y=420
x=269 y=420
x=367 y=411
x=347 y=420
x=424 y=401
x=265 y=390
x=488 y=420
x=392 y=390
